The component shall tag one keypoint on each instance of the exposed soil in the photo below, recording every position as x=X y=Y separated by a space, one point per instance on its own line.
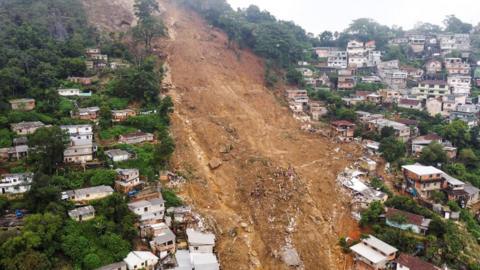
x=276 y=184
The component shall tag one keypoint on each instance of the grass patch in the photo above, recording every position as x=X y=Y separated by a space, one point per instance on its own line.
x=113 y=132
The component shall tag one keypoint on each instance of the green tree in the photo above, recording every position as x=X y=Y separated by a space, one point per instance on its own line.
x=295 y=77
x=455 y=25
x=148 y=26
x=47 y=146
x=468 y=157
x=433 y=154
x=392 y=150
x=163 y=150
x=372 y=214
x=457 y=132
x=387 y=132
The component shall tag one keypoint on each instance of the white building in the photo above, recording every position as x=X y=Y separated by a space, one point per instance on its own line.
x=372 y=253
x=337 y=59
x=150 y=211
x=15 y=183
x=137 y=260
x=459 y=84
x=117 y=155
x=87 y=194
x=81 y=148
x=200 y=242
x=82 y=213
x=73 y=92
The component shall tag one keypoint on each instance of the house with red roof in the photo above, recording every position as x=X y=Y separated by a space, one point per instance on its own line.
x=406 y=221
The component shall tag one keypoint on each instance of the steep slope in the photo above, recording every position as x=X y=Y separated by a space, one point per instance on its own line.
x=221 y=102
x=276 y=185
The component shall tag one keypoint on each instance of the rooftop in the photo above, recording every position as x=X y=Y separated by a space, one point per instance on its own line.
x=414 y=263
x=368 y=253
x=81 y=211
x=422 y=170
x=200 y=238
x=379 y=244
x=411 y=218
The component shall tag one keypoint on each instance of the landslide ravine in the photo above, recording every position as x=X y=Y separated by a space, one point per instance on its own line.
x=276 y=184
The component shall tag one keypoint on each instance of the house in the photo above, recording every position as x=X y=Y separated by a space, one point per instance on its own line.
x=417 y=43
x=471 y=119
x=342 y=130
x=433 y=67
x=454 y=42
x=423 y=180
x=150 y=211
x=117 y=155
x=365 y=117
x=430 y=88
x=433 y=106
x=472 y=193
x=297 y=97
x=163 y=243
x=457 y=66
x=406 y=221
x=337 y=59
x=374 y=98
x=408 y=262
x=451 y=102
x=355 y=47
x=200 y=242
x=137 y=260
x=136 y=137
x=122 y=115
x=87 y=194
x=118 y=64
x=413 y=73
x=80 y=148
x=26 y=128
x=90 y=51
x=114 y=266
x=408 y=103
x=127 y=180
x=372 y=253
x=317 y=110
x=421 y=142
x=206 y=261
x=324 y=52
x=455 y=189
x=90 y=113
x=346 y=82
x=459 y=84
x=74 y=92
x=80 y=80
x=389 y=95
x=83 y=213
x=402 y=131
x=395 y=78
x=23 y=104
x=184 y=261
x=15 y=183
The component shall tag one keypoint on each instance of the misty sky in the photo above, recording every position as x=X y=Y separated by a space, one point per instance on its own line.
x=335 y=15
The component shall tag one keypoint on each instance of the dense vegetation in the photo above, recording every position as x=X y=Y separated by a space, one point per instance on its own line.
x=42 y=43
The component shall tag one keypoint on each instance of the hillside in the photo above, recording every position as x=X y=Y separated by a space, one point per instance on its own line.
x=276 y=184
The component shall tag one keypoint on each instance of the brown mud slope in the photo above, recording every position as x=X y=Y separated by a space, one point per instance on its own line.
x=276 y=185
x=256 y=204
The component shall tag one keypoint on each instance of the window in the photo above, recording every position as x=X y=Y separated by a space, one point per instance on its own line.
x=145 y=209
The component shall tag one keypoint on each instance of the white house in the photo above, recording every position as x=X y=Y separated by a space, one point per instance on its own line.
x=150 y=211
x=81 y=146
x=372 y=253
x=82 y=213
x=15 y=183
x=87 y=194
x=459 y=84
x=117 y=155
x=204 y=261
x=200 y=242
x=73 y=92
x=137 y=260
